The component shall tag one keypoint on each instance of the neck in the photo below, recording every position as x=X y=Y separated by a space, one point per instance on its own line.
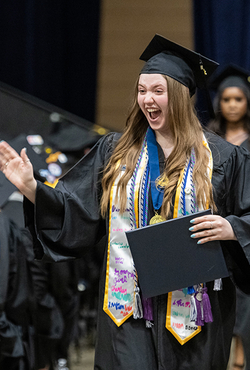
x=236 y=132
x=235 y=126
x=166 y=141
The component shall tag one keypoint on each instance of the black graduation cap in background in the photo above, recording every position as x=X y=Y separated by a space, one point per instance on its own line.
x=184 y=65
x=230 y=75
x=73 y=138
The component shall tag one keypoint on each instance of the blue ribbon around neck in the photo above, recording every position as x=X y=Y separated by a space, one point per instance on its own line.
x=153 y=159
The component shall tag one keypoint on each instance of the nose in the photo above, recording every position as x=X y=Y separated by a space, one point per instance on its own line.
x=148 y=97
x=232 y=103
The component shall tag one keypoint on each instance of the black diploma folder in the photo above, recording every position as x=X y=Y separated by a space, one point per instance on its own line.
x=167 y=258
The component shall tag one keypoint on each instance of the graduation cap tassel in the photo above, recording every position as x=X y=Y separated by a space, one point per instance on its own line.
x=199 y=305
x=148 y=311
x=208 y=98
x=138 y=311
x=208 y=317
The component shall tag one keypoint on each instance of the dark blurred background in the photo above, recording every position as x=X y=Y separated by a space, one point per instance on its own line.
x=82 y=57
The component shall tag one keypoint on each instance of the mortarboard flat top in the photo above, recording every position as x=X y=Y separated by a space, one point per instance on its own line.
x=230 y=75
x=73 y=138
x=184 y=65
x=167 y=258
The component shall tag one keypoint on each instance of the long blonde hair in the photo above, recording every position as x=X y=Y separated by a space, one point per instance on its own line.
x=188 y=134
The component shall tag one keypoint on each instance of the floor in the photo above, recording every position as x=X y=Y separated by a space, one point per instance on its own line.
x=83 y=357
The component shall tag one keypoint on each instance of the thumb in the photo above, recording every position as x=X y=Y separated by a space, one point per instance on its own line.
x=24 y=156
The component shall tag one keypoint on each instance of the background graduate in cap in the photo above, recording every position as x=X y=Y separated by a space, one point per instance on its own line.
x=232 y=122
x=163 y=166
x=232 y=105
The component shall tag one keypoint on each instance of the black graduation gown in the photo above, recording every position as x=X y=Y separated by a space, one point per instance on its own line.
x=246 y=144
x=30 y=320
x=16 y=300
x=66 y=222
x=242 y=323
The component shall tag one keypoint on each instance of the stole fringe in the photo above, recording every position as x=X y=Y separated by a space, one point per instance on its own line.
x=193 y=308
x=218 y=284
x=138 y=311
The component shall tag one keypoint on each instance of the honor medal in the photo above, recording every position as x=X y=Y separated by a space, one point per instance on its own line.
x=156 y=219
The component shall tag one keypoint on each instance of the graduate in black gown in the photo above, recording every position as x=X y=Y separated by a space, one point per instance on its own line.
x=17 y=304
x=31 y=321
x=114 y=188
x=232 y=122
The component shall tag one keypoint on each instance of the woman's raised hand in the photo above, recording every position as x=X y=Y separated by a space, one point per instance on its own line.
x=18 y=170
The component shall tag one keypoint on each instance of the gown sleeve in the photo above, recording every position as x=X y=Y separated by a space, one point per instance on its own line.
x=231 y=183
x=66 y=221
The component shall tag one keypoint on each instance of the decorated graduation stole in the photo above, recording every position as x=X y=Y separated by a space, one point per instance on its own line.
x=181 y=320
x=121 y=279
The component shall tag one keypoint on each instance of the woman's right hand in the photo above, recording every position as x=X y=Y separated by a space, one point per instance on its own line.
x=18 y=170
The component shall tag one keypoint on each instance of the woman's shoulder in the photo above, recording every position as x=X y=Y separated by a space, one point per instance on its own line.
x=109 y=140
x=224 y=152
x=105 y=146
x=246 y=144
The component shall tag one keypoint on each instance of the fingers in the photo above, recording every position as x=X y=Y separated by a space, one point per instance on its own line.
x=7 y=153
x=205 y=235
x=205 y=222
x=211 y=227
x=24 y=156
x=206 y=228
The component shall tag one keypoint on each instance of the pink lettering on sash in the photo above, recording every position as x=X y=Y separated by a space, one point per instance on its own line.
x=178 y=325
x=119 y=289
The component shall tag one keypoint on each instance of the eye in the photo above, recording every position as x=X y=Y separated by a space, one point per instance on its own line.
x=238 y=99
x=141 y=90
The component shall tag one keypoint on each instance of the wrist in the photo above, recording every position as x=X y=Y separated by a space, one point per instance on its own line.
x=29 y=190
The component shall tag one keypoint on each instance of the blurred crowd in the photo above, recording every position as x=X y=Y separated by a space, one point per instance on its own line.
x=44 y=307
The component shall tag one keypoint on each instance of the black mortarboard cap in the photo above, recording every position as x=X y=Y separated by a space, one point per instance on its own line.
x=73 y=138
x=167 y=258
x=231 y=75
x=186 y=66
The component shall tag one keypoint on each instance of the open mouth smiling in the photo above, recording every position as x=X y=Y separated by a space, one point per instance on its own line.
x=153 y=112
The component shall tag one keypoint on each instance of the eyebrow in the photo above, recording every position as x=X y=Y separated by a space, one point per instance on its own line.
x=156 y=85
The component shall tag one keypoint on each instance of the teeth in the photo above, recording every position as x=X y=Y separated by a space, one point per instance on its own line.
x=152 y=110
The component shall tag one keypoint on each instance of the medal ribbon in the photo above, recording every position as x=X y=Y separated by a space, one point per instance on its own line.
x=153 y=159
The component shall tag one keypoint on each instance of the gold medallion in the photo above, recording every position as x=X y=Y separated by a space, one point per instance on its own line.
x=156 y=219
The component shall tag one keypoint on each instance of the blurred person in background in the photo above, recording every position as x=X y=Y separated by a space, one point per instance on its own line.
x=232 y=122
